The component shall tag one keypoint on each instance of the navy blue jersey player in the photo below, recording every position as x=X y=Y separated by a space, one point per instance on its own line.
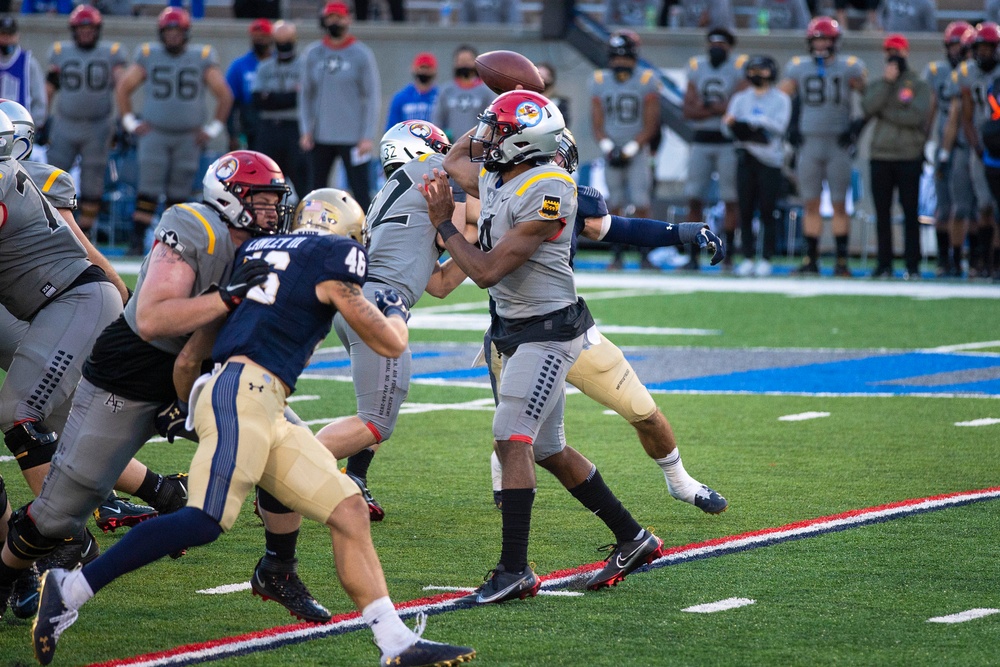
x=245 y=439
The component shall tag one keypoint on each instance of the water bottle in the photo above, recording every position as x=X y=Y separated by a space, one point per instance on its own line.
x=675 y=16
x=445 y=18
x=650 y=16
x=763 y=22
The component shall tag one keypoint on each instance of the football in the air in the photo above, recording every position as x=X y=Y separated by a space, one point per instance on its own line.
x=503 y=71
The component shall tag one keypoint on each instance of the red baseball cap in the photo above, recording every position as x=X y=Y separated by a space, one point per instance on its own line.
x=425 y=59
x=261 y=25
x=338 y=8
x=897 y=42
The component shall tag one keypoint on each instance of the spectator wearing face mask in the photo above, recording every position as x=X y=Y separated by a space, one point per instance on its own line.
x=416 y=100
x=21 y=76
x=339 y=103
x=242 y=123
x=899 y=104
x=758 y=118
x=460 y=101
x=275 y=99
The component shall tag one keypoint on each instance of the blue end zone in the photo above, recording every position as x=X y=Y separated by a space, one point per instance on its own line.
x=872 y=375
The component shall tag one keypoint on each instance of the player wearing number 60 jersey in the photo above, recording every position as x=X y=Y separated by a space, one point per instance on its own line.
x=81 y=83
x=823 y=82
x=403 y=256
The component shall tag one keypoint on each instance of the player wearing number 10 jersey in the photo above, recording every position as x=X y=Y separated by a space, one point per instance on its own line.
x=823 y=82
x=82 y=76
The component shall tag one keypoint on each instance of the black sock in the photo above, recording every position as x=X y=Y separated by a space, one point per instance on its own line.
x=730 y=240
x=8 y=575
x=357 y=464
x=944 y=245
x=841 y=246
x=956 y=257
x=150 y=483
x=812 y=249
x=280 y=545
x=516 y=527
x=595 y=495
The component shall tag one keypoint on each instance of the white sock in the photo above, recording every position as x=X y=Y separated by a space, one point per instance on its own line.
x=75 y=589
x=680 y=484
x=391 y=634
x=496 y=471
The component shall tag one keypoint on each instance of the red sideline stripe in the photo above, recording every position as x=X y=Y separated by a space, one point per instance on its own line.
x=444 y=599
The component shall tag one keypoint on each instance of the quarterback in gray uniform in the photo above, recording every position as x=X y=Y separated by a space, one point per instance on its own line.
x=938 y=75
x=402 y=256
x=173 y=130
x=127 y=393
x=81 y=84
x=823 y=82
x=712 y=81
x=540 y=328
x=625 y=114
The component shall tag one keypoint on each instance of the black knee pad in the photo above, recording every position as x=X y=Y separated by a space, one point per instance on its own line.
x=3 y=496
x=31 y=444
x=24 y=539
x=145 y=205
x=269 y=503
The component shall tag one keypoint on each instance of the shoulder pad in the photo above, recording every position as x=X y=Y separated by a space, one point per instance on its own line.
x=646 y=76
x=115 y=48
x=741 y=61
x=933 y=67
x=190 y=224
x=851 y=60
x=693 y=63
x=206 y=51
x=964 y=67
x=599 y=76
x=796 y=60
x=145 y=49
x=543 y=175
x=57 y=48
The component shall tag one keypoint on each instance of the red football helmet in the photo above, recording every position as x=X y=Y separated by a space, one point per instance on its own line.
x=987 y=32
x=968 y=37
x=823 y=26
x=234 y=178
x=953 y=33
x=519 y=126
x=84 y=15
x=174 y=17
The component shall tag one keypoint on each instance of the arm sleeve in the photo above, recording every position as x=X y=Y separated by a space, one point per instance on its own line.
x=650 y=233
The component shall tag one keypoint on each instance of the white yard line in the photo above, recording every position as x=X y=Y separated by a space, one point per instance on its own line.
x=963 y=616
x=963 y=347
x=305 y=397
x=721 y=605
x=228 y=588
x=803 y=416
x=985 y=421
x=4 y=459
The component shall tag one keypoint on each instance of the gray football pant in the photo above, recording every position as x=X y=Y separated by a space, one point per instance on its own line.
x=47 y=364
x=103 y=433
x=168 y=162
x=90 y=140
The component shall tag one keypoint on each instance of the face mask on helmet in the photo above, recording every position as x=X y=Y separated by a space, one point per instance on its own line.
x=172 y=44
x=518 y=127
x=567 y=156
x=86 y=37
x=24 y=128
x=329 y=211
x=986 y=58
x=233 y=186
x=409 y=140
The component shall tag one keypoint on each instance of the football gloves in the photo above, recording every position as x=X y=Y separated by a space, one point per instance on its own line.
x=390 y=303
x=170 y=420
x=706 y=238
x=245 y=277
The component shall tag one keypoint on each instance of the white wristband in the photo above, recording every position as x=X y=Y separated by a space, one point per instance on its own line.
x=631 y=149
x=943 y=155
x=130 y=123
x=213 y=129
x=606 y=145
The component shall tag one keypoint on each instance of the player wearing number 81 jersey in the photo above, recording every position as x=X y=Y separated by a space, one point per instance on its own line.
x=81 y=78
x=823 y=82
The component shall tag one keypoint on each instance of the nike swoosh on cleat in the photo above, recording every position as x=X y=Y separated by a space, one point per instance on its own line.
x=109 y=508
x=26 y=601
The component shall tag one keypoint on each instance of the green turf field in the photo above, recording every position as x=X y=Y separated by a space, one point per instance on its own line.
x=862 y=596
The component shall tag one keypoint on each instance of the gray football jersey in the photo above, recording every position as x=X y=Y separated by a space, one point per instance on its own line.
x=401 y=249
x=937 y=74
x=824 y=91
x=544 y=283
x=456 y=109
x=86 y=79
x=714 y=84
x=970 y=76
x=623 y=101
x=201 y=238
x=55 y=184
x=175 y=86
x=39 y=253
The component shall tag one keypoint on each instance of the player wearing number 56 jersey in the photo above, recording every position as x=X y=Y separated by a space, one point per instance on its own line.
x=81 y=84
x=824 y=82
x=173 y=129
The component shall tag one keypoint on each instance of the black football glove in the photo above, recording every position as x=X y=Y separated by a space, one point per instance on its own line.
x=245 y=277
x=170 y=420
x=706 y=238
x=616 y=158
x=391 y=304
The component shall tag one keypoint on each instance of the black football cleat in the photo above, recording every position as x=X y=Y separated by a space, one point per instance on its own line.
x=53 y=616
x=74 y=551
x=24 y=593
x=627 y=557
x=425 y=653
x=279 y=581
x=375 y=511
x=710 y=501
x=115 y=513
x=501 y=585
